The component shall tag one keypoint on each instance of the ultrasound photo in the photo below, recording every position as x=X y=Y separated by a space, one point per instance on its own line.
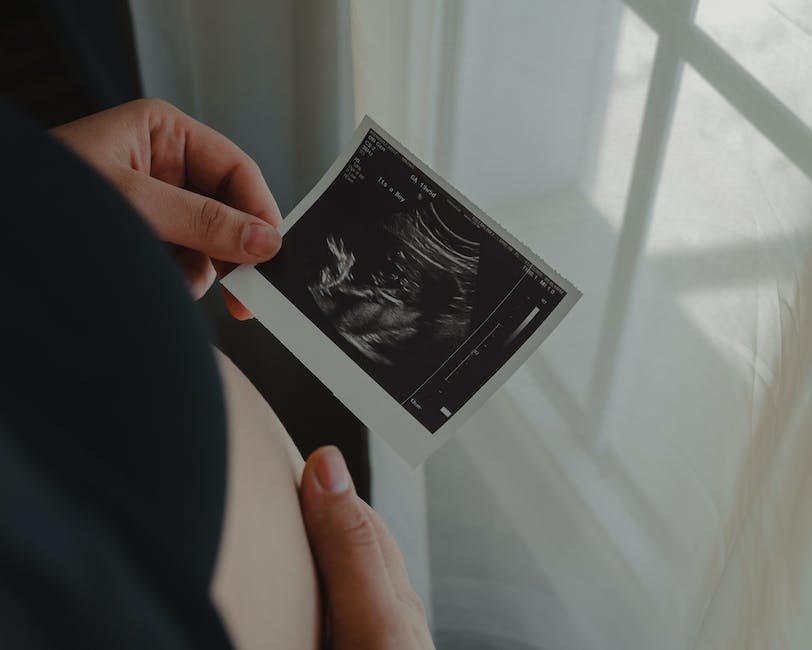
x=409 y=282
x=417 y=290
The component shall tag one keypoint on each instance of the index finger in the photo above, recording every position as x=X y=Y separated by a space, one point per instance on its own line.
x=208 y=162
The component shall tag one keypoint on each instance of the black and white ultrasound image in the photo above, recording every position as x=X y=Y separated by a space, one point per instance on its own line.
x=415 y=289
x=410 y=281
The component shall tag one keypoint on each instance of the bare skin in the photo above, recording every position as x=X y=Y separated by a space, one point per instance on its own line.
x=265 y=585
x=370 y=602
x=295 y=533
x=196 y=189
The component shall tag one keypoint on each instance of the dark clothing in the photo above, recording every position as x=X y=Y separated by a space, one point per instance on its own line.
x=112 y=423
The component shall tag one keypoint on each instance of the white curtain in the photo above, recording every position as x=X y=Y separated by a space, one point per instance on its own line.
x=275 y=76
x=645 y=480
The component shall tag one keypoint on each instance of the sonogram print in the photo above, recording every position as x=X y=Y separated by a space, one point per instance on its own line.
x=410 y=281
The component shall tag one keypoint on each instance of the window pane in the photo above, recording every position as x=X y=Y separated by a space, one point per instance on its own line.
x=772 y=39
x=611 y=163
x=729 y=244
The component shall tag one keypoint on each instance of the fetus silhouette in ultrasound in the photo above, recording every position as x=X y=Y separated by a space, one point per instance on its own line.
x=408 y=282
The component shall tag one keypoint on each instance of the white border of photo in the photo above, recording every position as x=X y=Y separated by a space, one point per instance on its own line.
x=370 y=403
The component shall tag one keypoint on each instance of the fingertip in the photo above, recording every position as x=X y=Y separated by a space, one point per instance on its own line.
x=235 y=307
x=325 y=478
x=270 y=212
x=274 y=216
x=326 y=470
x=261 y=240
x=331 y=470
x=240 y=313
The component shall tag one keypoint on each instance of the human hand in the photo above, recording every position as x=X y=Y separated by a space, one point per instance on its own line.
x=195 y=188
x=369 y=600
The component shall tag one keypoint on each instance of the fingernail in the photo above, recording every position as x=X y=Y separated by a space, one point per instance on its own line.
x=332 y=471
x=261 y=240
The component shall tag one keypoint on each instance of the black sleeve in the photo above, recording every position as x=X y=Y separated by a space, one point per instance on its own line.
x=112 y=424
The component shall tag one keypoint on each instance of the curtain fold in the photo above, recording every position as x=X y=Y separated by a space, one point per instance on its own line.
x=273 y=76
x=609 y=495
x=642 y=481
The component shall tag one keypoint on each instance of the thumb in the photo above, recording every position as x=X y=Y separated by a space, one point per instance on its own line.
x=360 y=598
x=201 y=223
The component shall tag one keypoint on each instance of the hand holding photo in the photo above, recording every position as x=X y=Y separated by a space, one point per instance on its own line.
x=405 y=299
